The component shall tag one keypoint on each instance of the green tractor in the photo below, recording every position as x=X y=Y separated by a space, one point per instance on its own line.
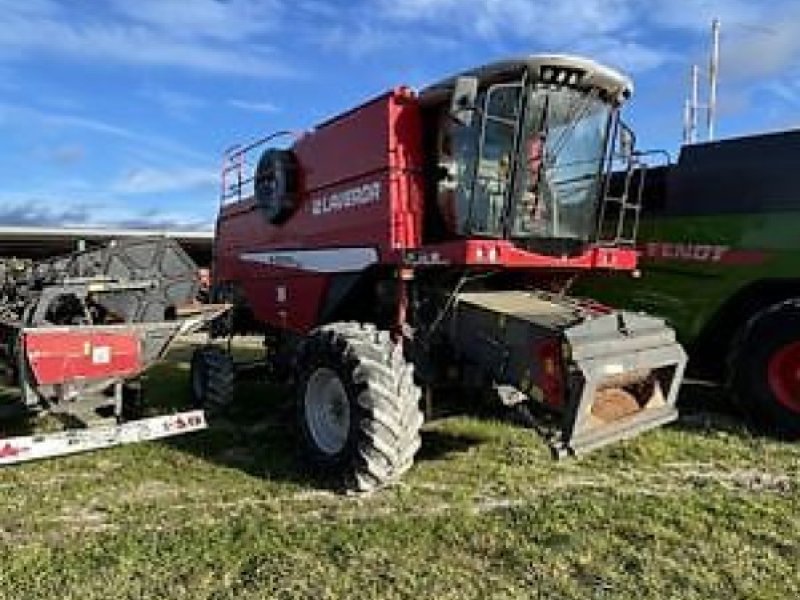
x=720 y=250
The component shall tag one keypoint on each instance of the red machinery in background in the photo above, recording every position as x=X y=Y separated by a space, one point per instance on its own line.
x=429 y=240
x=76 y=330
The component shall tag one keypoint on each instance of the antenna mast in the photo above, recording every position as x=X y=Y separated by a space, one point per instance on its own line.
x=713 y=74
x=693 y=107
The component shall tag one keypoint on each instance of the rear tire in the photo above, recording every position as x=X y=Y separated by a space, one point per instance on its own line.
x=764 y=369
x=357 y=406
x=212 y=379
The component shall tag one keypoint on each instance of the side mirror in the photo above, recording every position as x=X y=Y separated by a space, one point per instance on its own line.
x=462 y=104
x=627 y=141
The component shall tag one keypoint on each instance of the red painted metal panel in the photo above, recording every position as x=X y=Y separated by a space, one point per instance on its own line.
x=361 y=186
x=341 y=163
x=347 y=147
x=60 y=356
x=497 y=253
x=287 y=298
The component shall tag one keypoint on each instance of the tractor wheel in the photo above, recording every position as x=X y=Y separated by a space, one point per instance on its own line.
x=764 y=369
x=358 y=406
x=212 y=379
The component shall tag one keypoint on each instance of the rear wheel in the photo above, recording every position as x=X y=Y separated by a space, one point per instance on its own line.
x=765 y=369
x=357 y=405
x=212 y=379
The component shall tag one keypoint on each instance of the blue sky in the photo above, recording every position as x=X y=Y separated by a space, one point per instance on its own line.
x=115 y=112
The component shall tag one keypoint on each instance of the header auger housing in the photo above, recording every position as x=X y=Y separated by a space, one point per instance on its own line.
x=439 y=232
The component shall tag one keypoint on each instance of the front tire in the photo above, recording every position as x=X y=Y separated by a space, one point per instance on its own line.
x=358 y=406
x=764 y=369
x=212 y=379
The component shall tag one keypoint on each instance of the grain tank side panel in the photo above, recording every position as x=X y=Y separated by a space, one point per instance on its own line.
x=360 y=201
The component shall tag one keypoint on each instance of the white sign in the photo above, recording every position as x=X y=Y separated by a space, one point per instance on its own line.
x=101 y=355
x=361 y=195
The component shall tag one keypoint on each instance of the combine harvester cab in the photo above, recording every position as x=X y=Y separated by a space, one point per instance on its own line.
x=75 y=330
x=441 y=231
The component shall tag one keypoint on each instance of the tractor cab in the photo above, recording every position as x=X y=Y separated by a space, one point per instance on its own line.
x=519 y=151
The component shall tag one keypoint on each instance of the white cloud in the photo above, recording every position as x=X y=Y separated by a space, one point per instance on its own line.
x=413 y=10
x=696 y=15
x=176 y=104
x=34 y=211
x=229 y=20
x=183 y=197
x=540 y=21
x=628 y=55
x=67 y=154
x=759 y=48
x=356 y=39
x=155 y=181
x=318 y=8
x=758 y=39
x=752 y=53
x=365 y=38
x=14 y=115
x=42 y=213
x=603 y=29
x=260 y=107
x=787 y=89
x=204 y=36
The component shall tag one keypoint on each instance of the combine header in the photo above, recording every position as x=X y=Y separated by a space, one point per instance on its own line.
x=75 y=329
x=429 y=240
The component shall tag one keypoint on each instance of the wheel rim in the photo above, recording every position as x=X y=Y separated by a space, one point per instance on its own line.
x=783 y=373
x=327 y=411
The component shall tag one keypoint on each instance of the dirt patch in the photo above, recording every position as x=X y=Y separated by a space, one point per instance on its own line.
x=83 y=520
x=154 y=490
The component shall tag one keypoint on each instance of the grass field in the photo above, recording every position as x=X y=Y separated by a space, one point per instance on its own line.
x=700 y=509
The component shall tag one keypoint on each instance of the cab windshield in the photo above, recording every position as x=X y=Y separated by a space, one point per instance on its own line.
x=537 y=165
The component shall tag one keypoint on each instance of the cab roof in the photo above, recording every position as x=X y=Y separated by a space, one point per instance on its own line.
x=591 y=75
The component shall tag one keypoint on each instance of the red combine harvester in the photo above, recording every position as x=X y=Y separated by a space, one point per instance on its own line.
x=428 y=240
x=76 y=331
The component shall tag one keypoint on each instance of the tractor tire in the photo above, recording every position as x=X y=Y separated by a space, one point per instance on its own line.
x=764 y=370
x=357 y=406
x=212 y=378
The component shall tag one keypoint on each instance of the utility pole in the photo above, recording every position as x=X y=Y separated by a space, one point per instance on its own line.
x=692 y=106
x=687 y=121
x=713 y=75
x=695 y=103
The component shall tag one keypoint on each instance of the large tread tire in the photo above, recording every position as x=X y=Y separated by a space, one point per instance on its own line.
x=765 y=334
x=212 y=377
x=385 y=417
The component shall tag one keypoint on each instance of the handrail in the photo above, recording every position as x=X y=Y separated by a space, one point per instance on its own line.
x=234 y=160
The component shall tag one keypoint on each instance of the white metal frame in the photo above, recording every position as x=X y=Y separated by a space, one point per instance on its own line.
x=49 y=445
